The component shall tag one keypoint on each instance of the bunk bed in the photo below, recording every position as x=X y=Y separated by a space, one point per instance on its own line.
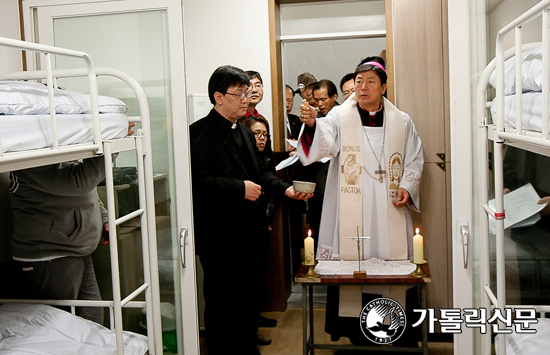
x=517 y=117
x=64 y=126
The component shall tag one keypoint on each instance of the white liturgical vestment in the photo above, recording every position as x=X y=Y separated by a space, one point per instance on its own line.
x=326 y=141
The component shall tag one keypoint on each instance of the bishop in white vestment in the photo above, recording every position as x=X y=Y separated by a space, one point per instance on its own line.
x=373 y=181
x=375 y=171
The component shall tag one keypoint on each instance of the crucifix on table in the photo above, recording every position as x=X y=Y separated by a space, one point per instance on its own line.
x=359 y=273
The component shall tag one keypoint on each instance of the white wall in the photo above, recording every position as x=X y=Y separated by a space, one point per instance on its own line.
x=9 y=27
x=329 y=58
x=340 y=16
x=227 y=32
x=11 y=61
x=501 y=12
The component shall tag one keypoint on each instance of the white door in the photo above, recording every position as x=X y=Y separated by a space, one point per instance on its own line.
x=464 y=59
x=144 y=39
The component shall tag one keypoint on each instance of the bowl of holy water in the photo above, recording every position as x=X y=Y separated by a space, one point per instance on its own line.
x=303 y=186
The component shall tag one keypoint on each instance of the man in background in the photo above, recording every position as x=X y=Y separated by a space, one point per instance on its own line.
x=293 y=124
x=256 y=91
x=325 y=96
x=307 y=80
x=347 y=85
x=231 y=231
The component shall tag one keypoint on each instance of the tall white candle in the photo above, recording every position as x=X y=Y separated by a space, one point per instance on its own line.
x=309 y=257
x=418 y=247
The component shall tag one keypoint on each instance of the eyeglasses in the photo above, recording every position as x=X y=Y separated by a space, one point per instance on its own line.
x=242 y=95
x=257 y=86
x=262 y=134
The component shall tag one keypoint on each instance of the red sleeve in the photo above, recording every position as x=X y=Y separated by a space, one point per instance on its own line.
x=307 y=138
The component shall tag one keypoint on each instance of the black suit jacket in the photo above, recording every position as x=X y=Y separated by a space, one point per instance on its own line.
x=224 y=221
x=295 y=125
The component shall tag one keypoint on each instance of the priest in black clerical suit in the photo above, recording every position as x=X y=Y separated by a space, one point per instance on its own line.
x=230 y=225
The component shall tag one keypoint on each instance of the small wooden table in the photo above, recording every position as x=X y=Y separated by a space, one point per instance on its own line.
x=343 y=280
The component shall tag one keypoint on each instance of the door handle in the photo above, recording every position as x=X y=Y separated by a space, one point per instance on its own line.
x=184 y=240
x=464 y=231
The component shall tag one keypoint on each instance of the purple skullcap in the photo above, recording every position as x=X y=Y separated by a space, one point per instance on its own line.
x=376 y=64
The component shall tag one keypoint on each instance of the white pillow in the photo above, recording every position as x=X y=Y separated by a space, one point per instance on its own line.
x=531 y=72
x=107 y=104
x=31 y=98
x=23 y=98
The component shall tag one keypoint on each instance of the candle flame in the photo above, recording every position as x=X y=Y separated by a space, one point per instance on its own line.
x=417 y=230
x=309 y=232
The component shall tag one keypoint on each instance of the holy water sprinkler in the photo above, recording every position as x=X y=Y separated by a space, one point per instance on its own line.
x=302 y=88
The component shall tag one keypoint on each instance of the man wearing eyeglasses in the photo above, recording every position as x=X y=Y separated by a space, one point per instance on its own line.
x=230 y=226
x=256 y=93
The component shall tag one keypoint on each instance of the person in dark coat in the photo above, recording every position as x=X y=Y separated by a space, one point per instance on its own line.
x=523 y=167
x=230 y=226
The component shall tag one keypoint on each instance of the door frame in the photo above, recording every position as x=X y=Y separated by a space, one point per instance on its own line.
x=460 y=142
x=460 y=94
x=277 y=88
x=182 y=173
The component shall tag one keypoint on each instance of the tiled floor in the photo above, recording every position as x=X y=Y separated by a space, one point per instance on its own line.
x=287 y=336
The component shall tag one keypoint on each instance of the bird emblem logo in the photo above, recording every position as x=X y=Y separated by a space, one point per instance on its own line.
x=383 y=320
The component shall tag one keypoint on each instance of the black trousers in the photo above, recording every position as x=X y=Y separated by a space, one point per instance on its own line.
x=70 y=278
x=233 y=284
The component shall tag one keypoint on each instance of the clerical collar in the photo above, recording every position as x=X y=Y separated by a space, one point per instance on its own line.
x=372 y=119
x=230 y=124
x=225 y=123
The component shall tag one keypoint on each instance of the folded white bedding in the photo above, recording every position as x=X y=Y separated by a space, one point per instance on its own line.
x=529 y=344
x=531 y=108
x=31 y=98
x=531 y=72
x=44 y=330
x=24 y=132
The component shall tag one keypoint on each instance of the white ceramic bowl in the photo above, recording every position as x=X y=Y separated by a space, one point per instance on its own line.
x=303 y=186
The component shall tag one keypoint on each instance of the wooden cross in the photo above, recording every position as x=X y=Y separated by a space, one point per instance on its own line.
x=380 y=173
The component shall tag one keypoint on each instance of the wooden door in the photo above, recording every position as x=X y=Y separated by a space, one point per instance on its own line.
x=419 y=34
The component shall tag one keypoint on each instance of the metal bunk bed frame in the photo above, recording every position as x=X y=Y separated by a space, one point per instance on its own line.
x=538 y=142
x=141 y=143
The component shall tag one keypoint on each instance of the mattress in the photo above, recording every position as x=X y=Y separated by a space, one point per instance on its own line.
x=531 y=108
x=25 y=132
x=41 y=329
x=529 y=344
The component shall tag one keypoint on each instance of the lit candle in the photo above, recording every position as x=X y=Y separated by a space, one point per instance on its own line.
x=309 y=256
x=418 y=248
